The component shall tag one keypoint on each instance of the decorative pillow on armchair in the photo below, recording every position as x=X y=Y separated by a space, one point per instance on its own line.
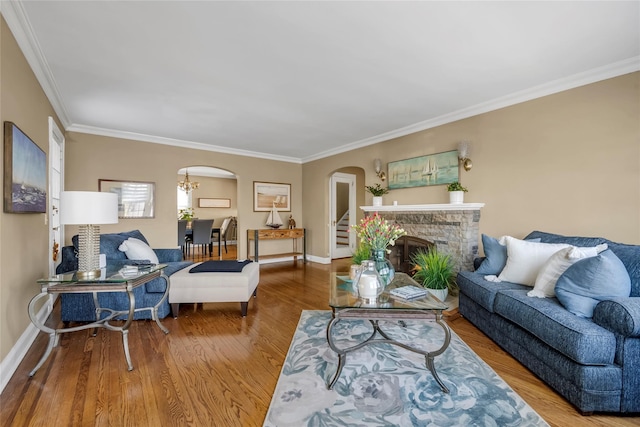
x=138 y=250
x=591 y=280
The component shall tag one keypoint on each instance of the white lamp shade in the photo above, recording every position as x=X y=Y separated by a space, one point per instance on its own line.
x=88 y=207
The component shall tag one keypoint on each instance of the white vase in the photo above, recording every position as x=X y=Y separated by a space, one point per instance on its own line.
x=377 y=200
x=441 y=294
x=456 y=197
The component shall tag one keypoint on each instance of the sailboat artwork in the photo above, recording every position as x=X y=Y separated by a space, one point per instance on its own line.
x=432 y=169
x=274 y=220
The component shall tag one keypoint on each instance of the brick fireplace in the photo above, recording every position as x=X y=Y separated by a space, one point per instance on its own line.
x=453 y=228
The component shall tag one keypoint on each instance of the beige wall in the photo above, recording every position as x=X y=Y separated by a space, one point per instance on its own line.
x=216 y=188
x=92 y=157
x=567 y=163
x=23 y=237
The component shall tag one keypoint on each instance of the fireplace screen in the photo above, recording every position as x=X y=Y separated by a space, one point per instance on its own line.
x=404 y=248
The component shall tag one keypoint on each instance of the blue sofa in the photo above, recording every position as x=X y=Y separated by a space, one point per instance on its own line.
x=80 y=307
x=593 y=362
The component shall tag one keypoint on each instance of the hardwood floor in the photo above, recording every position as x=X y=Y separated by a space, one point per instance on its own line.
x=214 y=368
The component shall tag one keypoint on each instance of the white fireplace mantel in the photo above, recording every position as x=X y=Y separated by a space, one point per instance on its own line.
x=431 y=207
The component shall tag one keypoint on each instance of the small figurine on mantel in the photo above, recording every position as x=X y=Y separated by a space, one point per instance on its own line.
x=292 y=222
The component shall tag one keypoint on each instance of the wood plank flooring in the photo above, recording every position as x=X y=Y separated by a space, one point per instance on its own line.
x=214 y=368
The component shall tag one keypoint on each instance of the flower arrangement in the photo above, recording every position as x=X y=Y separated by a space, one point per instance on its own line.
x=186 y=213
x=378 y=233
x=377 y=190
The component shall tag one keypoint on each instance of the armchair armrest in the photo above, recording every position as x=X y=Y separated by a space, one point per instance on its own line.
x=168 y=255
x=619 y=315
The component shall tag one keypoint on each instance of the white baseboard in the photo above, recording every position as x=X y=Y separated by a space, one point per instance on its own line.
x=10 y=363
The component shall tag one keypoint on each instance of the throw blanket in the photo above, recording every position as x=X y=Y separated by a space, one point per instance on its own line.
x=226 y=266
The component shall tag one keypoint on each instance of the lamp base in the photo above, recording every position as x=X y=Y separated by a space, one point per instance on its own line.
x=87 y=275
x=88 y=251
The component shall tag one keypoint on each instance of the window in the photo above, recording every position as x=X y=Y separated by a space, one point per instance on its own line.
x=184 y=199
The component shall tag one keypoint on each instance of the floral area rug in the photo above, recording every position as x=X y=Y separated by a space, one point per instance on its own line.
x=385 y=385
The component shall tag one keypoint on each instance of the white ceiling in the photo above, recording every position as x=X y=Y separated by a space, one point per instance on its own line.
x=297 y=81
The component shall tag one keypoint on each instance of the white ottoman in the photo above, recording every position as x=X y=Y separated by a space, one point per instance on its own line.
x=214 y=287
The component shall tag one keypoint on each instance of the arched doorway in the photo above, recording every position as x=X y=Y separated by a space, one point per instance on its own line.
x=214 y=198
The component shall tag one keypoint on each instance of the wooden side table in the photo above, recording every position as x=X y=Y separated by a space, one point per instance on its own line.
x=277 y=234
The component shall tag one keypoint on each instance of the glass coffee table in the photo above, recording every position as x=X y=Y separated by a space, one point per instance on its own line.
x=346 y=305
x=112 y=279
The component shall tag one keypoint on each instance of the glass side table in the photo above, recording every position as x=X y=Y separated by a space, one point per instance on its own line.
x=113 y=279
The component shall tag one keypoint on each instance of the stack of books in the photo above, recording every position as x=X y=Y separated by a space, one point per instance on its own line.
x=129 y=270
x=408 y=292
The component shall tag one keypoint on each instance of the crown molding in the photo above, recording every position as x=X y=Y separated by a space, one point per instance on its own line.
x=16 y=18
x=176 y=143
x=615 y=69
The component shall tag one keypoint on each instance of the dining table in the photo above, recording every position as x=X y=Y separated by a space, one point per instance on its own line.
x=214 y=230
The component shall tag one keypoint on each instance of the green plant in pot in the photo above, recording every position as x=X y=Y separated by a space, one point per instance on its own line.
x=434 y=271
x=362 y=252
x=456 y=192
x=377 y=191
x=185 y=214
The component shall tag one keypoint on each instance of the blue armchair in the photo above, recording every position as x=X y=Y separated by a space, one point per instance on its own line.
x=80 y=307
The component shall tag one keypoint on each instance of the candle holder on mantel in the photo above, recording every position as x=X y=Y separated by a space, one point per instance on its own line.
x=368 y=283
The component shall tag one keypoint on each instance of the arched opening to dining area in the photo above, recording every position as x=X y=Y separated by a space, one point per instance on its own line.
x=207 y=212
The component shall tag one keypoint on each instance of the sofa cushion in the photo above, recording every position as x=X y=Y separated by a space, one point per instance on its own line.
x=578 y=339
x=630 y=257
x=481 y=291
x=110 y=242
x=495 y=252
x=138 y=250
x=525 y=259
x=558 y=264
x=591 y=280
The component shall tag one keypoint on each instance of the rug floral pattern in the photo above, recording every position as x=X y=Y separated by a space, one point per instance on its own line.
x=384 y=385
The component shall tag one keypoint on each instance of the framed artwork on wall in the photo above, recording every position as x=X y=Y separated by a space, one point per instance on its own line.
x=433 y=169
x=136 y=199
x=25 y=173
x=268 y=194
x=213 y=203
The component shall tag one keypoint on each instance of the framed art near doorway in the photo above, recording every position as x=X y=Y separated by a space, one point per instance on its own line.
x=269 y=194
x=25 y=173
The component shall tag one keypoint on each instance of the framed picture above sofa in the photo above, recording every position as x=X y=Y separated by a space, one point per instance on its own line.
x=136 y=199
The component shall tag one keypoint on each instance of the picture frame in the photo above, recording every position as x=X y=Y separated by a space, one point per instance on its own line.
x=204 y=202
x=424 y=171
x=136 y=199
x=25 y=173
x=266 y=194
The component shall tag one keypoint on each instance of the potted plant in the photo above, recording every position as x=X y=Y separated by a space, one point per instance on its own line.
x=362 y=252
x=377 y=191
x=186 y=214
x=456 y=192
x=434 y=271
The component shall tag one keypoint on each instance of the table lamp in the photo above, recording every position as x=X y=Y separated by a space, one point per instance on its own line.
x=87 y=209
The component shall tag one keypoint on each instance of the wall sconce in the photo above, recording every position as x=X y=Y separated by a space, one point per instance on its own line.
x=463 y=155
x=378 y=167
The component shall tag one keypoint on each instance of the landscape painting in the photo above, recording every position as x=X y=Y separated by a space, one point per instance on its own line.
x=266 y=195
x=25 y=173
x=433 y=169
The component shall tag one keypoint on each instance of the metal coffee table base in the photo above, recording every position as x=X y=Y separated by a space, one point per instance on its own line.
x=374 y=316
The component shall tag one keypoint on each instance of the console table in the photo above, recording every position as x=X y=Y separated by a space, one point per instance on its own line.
x=276 y=234
x=112 y=280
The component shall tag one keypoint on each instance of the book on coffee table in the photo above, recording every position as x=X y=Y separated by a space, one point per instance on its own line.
x=408 y=292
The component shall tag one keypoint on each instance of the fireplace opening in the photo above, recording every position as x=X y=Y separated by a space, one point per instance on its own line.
x=405 y=247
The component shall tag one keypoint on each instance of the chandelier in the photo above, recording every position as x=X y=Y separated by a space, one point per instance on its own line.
x=187 y=185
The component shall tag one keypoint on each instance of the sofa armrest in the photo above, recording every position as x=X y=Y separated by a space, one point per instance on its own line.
x=619 y=315
x=168 y=255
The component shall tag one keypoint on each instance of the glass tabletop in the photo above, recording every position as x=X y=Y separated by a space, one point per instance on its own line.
x=114 y=273
x=342 y=295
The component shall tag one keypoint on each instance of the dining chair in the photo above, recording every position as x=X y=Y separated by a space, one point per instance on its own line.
x=202 y=234
x=183 y=240
x=224 y=228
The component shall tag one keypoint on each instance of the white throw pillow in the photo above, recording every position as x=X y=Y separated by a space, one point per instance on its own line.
x=556 y=265
x=525 y=259
x=137 y=249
